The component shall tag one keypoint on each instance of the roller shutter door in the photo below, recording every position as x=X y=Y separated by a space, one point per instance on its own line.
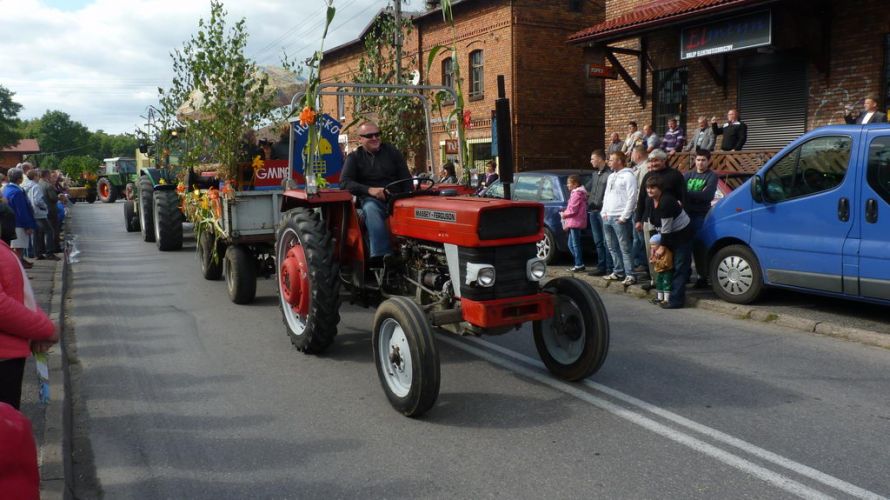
x=773 y=99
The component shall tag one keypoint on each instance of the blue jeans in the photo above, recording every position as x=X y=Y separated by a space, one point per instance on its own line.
x=639 y=248
x=575 y=246
x=375 y=221
x=619 y=238
x=603 y=256
x=682 y=268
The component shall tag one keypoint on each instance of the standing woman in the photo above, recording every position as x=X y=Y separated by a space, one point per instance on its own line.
x=574 y=219
x=667 y=216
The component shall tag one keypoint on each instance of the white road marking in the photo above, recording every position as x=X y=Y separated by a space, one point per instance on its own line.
x=728 y=458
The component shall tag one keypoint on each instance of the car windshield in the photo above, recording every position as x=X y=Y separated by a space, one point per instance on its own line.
x=735 y=180
x=536 y=186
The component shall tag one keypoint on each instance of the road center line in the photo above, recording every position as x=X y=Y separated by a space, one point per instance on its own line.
x=780 y=481
x=803 y=470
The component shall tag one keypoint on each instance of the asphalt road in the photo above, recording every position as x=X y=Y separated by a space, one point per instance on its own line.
x=185 y=395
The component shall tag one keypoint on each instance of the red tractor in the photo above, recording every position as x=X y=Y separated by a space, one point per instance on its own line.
x=462 y=264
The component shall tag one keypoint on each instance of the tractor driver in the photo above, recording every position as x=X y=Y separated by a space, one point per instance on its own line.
x=369 y=169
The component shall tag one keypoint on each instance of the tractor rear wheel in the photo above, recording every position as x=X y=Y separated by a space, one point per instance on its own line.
x=240 y=271
x=574 y=342
x=168 y=223
x=406 y=357
x=211 y=265
x=146 y=209
x=106 y=190
x=130 y=220
x=308 y=287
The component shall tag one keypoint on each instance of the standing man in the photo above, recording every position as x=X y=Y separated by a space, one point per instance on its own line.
x=615 y=144
x=638 y=252
x=618 y=207
x=650 y=139
x=45 y=240
x=51 y=196
x=367 y=171
x=24 y=214
x=673 y=138
x=701 y=184
x=597 y=190
x=633 y=137
x=734 y=132
x=703 y=140
x=869 y=114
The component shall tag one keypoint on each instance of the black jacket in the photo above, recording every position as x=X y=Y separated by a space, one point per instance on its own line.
x=878 y=117
x=597 y=188
x=675 y=185
x=364 y=170
x=734 y=135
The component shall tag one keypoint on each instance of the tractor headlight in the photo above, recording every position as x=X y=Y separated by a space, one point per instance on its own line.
x=536 y=269
x=480 y=274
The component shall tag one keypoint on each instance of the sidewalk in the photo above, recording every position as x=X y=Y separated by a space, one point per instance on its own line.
x=784 y=313
x=47 y=420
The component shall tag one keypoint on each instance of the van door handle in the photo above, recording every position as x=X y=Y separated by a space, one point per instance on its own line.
x=843 y=209
x=871 y=211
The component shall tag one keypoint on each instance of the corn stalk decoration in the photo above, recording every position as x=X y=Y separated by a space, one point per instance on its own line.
x=457 y=114
x=309 y=112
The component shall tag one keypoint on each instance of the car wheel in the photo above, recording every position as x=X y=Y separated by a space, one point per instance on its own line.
x=547 y=247
x=735 y=275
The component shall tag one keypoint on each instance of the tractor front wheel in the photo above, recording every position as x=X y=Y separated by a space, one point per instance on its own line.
x=106 y=191
x=168 y=223
x=146 y=209
x=130 y=191
x=573 y=343
x=240 y=271
x=130 y=220
x=308 y=287
x=406 y=357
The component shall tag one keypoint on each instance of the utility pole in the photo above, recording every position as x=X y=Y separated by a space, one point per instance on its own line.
x=398 y=39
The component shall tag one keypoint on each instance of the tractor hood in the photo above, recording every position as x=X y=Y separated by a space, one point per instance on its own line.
x=468 y=222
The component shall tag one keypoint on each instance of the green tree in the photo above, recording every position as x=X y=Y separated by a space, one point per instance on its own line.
x=400 y=117
x=58 y=134
x=9 y=123
x=76 y=165
x=232 y=91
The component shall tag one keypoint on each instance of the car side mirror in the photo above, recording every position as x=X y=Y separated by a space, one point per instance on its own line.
x=757 y=188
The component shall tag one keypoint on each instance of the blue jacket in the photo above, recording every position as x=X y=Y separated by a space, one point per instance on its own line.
x=18 y=201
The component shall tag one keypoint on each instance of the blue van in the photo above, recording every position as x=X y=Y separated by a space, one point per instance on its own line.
x=815 y=218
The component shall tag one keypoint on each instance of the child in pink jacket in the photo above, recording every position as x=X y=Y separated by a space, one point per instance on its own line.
x=574 y=219
x=24 y=328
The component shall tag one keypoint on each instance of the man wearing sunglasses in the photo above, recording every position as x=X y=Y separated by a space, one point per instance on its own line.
x=369 y=169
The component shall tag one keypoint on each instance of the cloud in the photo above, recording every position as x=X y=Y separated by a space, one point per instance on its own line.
x=102 y=63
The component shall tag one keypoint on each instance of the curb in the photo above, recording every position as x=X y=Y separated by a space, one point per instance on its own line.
x=743 y=312
x=51 y=457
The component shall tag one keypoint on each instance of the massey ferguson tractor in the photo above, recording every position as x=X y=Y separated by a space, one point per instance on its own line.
x=465 y=265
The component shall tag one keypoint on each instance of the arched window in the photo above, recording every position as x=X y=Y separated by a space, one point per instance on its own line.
x=447 y=72
x=477 y=82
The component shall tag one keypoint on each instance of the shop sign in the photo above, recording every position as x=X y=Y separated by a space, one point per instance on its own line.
x=451 y=147
x=600 y=71
x=737 y=33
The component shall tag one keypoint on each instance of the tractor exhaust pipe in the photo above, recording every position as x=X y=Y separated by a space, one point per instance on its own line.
x=504 y=138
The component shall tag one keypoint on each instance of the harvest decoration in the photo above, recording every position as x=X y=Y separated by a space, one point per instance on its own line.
x=308 y=114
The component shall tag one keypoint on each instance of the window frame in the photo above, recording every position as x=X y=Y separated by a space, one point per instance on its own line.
x=871 y=170
x=794 y=191
x=660 y=116
x=477 y=75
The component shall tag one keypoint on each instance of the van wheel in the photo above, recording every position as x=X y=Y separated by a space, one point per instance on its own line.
x=735 y=275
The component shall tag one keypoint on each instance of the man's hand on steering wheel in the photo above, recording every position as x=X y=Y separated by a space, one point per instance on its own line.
x=421 y=181
x=379 y=193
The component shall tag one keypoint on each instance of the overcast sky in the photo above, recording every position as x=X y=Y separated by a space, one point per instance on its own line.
x=101 y=61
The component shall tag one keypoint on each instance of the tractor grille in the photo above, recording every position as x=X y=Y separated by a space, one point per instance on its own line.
x=511 y=222
x=510 y=275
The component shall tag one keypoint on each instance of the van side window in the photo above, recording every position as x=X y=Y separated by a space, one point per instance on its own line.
x=878 y=175
x=815 y=166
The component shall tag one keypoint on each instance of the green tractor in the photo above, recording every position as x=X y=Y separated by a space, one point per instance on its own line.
x=117 y=179
x=154 y=208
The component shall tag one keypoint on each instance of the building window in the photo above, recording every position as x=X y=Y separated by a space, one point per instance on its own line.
x=341 y=106
x=448 y=72
x=669 y=95
x=575 y=5
x=477 y=84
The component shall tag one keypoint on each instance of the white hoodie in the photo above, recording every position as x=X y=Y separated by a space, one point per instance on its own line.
x=620 y=199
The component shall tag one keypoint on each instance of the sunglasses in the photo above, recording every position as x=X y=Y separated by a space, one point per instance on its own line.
x=372 y=135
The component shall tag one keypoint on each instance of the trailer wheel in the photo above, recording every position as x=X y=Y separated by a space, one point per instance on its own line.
x=211 y=268
x=146 y=209
x=308 y=287
x=574 y=342
x=168 y=225
x=240 y=271
x=406 y=357
x=106 y=190
x=91 y=197
x=130 y=220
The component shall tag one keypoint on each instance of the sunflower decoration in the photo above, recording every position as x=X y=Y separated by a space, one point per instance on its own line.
x=307 y=117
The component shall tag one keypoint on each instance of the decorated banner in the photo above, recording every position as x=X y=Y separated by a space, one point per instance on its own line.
x=329 y=163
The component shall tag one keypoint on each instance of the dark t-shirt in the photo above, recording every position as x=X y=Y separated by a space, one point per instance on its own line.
x=673 y=182
x=364 y=170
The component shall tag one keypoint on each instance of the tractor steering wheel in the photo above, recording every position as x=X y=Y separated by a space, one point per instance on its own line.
x=421 y=181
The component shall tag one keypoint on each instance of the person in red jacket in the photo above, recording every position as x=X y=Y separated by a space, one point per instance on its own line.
x=24 y=328
x=19 y=476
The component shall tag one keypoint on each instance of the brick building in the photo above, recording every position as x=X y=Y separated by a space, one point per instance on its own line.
x=13 y=155
x=556 y=110
x=788 y=66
